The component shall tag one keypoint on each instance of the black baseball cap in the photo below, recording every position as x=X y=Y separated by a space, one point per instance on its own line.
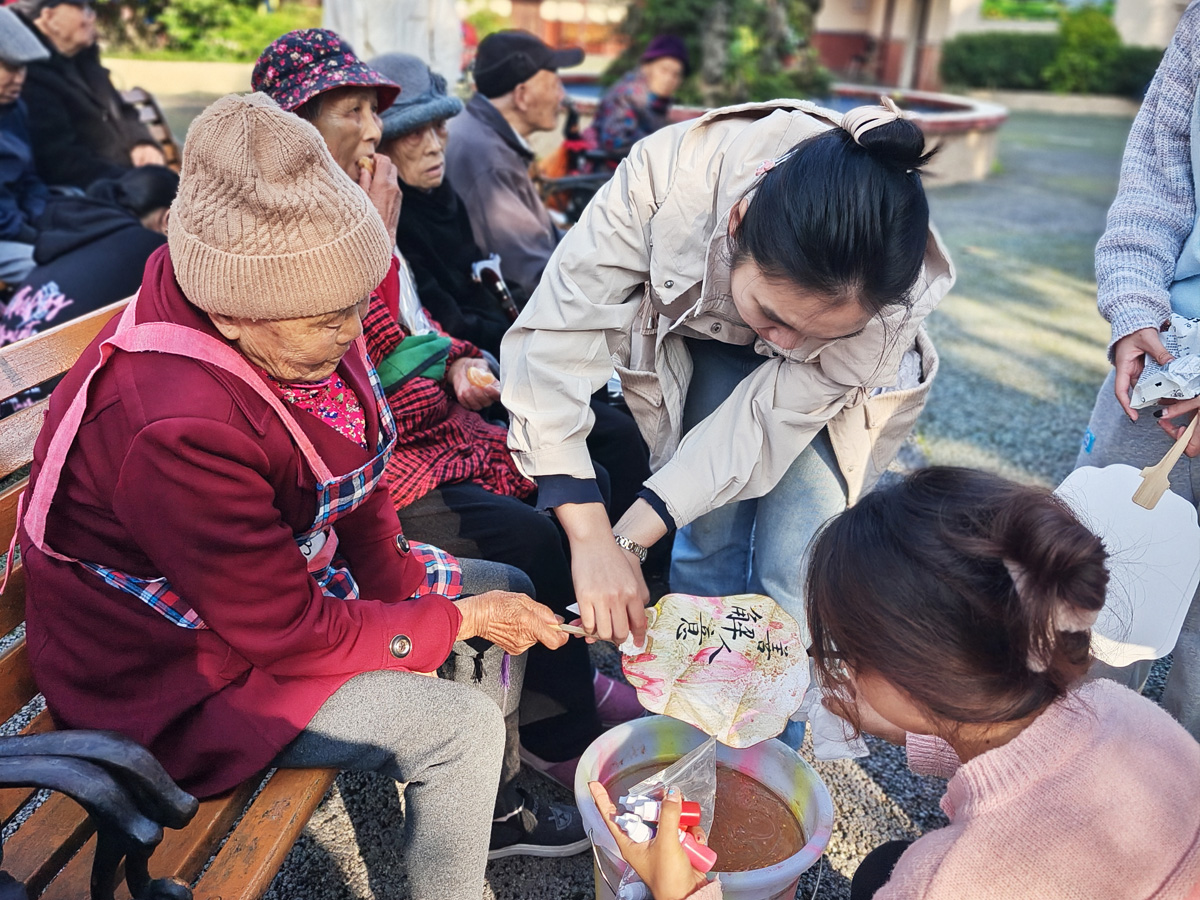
x=507 y=58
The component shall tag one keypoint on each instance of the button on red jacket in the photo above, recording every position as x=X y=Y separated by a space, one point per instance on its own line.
x=181 y=470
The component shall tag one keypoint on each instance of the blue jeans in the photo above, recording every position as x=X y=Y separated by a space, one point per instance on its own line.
x=756 y=546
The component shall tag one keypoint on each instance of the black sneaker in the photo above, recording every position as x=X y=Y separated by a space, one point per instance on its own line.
x=538 y=828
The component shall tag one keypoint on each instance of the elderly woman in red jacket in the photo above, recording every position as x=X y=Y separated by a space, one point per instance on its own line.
x=448 y=457
x=210 y=568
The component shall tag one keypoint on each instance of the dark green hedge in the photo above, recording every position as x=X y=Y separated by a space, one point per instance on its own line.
x=1004 y=60
x=999 y=59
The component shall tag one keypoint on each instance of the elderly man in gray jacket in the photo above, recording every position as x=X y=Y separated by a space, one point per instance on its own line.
x=518 y=93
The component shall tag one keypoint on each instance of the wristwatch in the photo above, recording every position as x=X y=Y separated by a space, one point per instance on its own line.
x=632 y=546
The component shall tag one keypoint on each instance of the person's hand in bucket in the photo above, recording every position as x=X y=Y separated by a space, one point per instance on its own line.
x=662 y=862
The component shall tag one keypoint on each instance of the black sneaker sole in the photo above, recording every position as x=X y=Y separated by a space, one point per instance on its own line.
x=544 y=850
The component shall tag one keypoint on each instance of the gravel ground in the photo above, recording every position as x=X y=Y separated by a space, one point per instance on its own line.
x=1022 y=354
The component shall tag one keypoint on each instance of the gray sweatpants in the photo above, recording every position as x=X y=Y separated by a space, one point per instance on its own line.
x=444 y=739
x=1111 y=438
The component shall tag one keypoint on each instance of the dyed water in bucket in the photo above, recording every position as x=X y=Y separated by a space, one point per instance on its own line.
x=660 y=739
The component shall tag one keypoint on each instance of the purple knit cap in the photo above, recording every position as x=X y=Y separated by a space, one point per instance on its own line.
x=301 y=64
x=668 y=45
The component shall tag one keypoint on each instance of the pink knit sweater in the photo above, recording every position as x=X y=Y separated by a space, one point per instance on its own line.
x=1098 y=799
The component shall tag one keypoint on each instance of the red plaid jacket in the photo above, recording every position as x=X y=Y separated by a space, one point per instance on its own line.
x=439 y=442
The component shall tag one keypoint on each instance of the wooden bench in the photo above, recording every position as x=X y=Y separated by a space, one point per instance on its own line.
x=53 y=850
x=152 y=117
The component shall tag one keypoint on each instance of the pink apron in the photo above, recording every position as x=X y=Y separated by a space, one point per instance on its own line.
x=336 y=495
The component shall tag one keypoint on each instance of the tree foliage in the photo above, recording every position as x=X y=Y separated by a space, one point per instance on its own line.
x=1089 y=47
x=235 y=30
x=740 y=49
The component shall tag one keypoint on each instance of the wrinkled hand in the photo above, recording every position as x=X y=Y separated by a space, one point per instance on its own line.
x=383 y=187
x=468 y=391
x=869 y=721
x=661 y=862
x=1129 y=361
x=147 y=155
x=1185 y=409
x=513 y=622
x=610 y=590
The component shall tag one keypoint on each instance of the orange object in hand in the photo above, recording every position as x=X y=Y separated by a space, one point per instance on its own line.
x=480 y=377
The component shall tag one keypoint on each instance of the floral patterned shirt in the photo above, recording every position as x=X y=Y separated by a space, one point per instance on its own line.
x=332 y=401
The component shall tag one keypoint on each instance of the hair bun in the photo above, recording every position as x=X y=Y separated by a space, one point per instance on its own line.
x=889 y=134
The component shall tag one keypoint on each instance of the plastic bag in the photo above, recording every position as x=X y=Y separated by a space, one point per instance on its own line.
x=695 y=775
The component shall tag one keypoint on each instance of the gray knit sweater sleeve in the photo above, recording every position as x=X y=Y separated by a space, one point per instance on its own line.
x=1155 y=208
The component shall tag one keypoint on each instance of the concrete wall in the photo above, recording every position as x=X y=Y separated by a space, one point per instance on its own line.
x=840 y=16
x=1148 y=23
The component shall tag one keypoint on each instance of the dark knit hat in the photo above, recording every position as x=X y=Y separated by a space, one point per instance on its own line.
x=508 y=58
x=301 y=64
x=423 y=98
x=668 y=45
x=18 y=45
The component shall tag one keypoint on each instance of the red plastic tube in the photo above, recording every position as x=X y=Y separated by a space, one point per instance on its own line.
x=701 y=857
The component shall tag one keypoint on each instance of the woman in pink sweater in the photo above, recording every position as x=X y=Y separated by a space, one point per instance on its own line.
x=966 y=635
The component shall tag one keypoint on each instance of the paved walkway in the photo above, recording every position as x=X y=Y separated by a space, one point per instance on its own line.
x=1022 y=346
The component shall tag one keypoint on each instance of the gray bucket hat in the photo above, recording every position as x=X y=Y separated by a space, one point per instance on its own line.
x=18 y=46
x=423 y=98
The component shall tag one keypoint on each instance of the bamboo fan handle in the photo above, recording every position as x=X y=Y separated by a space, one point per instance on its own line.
x=581 y=632
x=1154 y=478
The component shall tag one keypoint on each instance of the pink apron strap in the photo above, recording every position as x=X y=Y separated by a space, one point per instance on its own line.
x=158 y=337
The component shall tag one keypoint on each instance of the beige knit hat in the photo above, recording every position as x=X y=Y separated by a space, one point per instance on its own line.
x=266 y=225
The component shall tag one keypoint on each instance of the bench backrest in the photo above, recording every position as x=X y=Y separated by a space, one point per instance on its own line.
x=151 y=115
x=23 y=365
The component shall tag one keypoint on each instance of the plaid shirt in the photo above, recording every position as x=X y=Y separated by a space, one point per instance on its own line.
x=439 y=442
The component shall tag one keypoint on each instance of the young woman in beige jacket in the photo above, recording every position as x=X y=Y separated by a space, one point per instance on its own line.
x=758 y=277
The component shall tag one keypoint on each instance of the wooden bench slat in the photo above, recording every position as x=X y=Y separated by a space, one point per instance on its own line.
x=18 y=435
x=32 y=361
x=45 y=841
x=9 y=498
x=16 y=680
x=12 y=601
x=182 y=853
x=254 y=852
x=12 y=799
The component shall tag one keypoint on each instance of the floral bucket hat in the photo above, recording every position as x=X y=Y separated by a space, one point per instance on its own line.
x=301 y=64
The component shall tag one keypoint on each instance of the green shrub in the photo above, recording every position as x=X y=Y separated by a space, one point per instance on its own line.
x=1017 y=61
x=999 y=60
x=213 y=30
x=1045 y=10
x=1134 y=69
x=1088 y=51
x=189 y=24
x=486 y=22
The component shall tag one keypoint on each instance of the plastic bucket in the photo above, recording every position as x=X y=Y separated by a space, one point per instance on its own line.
x=661 y=739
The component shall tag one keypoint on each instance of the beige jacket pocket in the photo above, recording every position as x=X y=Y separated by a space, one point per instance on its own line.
x=644 y=397
x=867 y=437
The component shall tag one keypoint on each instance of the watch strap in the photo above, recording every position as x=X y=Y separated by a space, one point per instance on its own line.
x=632 y=546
